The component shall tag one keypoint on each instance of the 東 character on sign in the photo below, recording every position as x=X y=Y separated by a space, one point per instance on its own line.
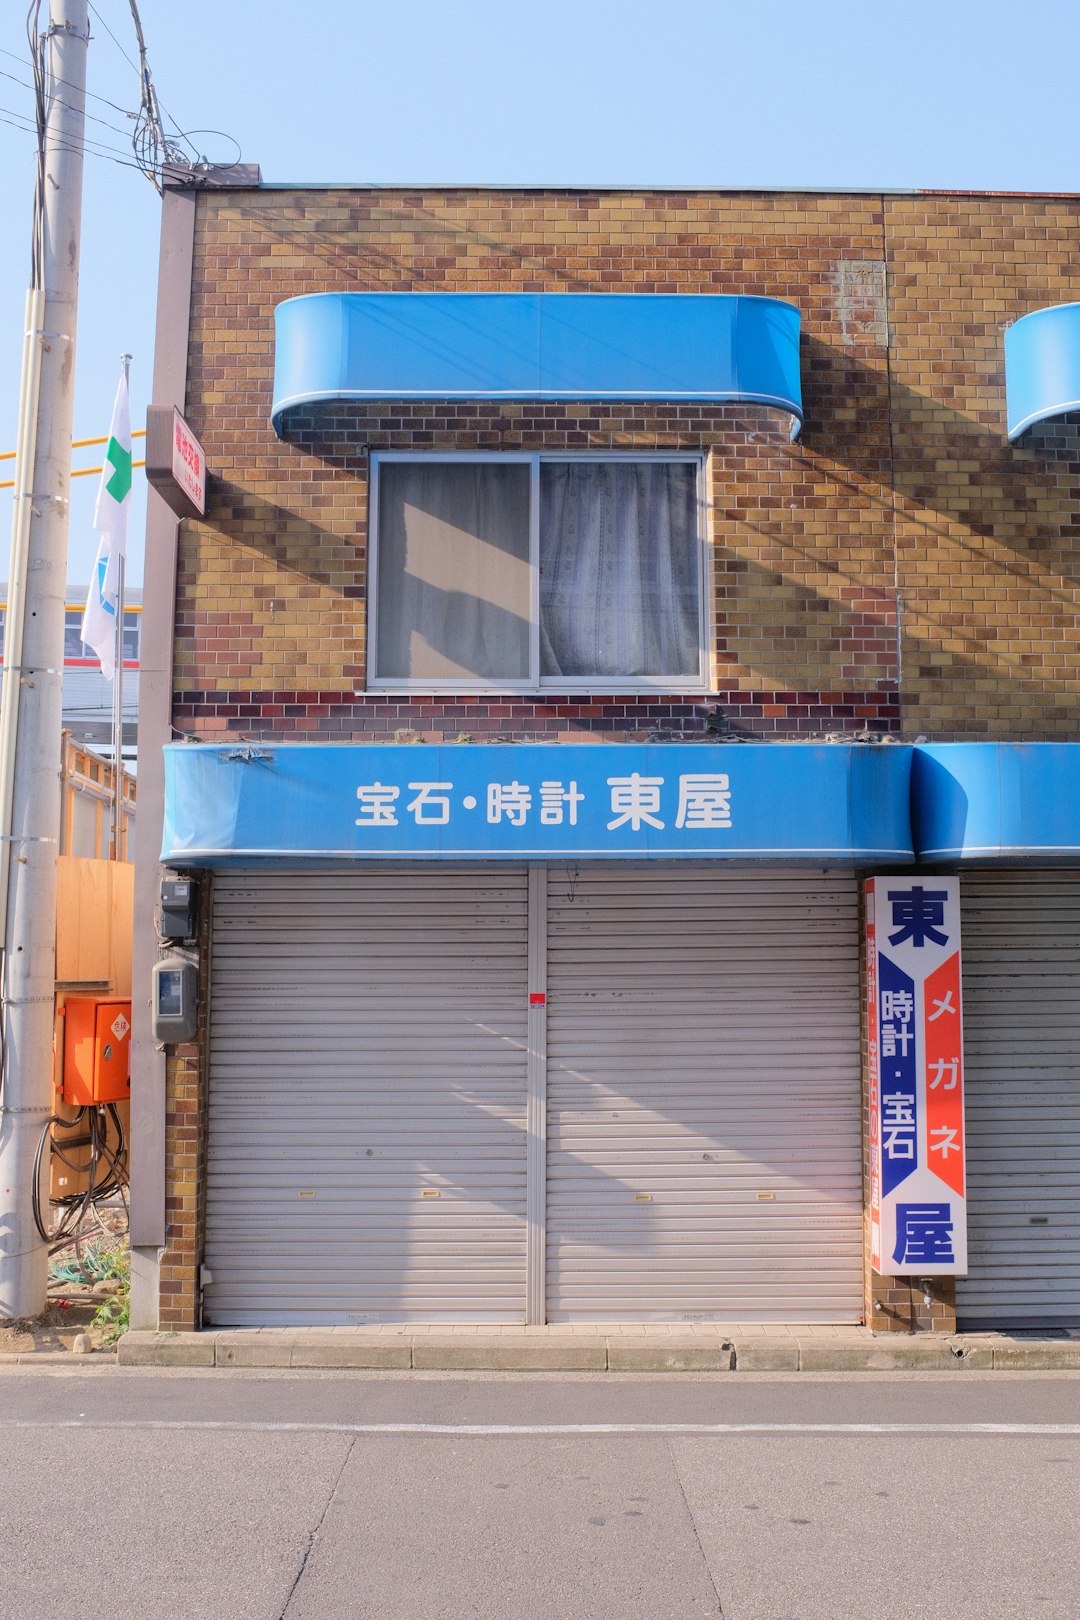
x=918 y=914
x=635 y=799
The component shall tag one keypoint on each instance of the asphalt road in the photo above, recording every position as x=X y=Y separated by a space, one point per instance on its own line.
x=164 y=1496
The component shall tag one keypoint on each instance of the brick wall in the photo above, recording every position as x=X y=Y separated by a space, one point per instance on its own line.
x=271 y=631
x=902 y=488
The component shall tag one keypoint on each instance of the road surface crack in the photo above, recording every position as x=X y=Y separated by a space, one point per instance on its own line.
x=313 y=1534
x=693 y=1526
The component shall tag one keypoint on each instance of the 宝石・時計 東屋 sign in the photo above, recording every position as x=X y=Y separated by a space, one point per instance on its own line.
x=918 y=1213
x=534 y=801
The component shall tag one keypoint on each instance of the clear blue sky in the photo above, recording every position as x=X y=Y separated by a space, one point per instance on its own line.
x=977 y=94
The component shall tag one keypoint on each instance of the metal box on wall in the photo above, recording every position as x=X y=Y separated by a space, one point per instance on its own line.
x=97 y=1058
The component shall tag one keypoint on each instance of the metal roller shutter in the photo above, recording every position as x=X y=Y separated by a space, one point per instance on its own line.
x=704 y=1144
x=1021 y=956
x=367 y=1097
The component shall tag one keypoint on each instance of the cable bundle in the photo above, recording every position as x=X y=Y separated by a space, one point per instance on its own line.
x=106 y=1170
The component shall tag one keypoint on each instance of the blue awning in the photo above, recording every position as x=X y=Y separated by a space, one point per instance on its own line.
x=996 y=801
x=550 y=346
x=530 y=801
x=1042 y=366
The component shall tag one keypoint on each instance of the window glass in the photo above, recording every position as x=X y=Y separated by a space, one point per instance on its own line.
x=73 y=641
x=618 y=569
x=131 y=637
x=453 y=571
x=613 y=547
x=75 y=647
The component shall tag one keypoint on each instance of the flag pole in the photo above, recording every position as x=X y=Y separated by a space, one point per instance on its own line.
x=116 y=847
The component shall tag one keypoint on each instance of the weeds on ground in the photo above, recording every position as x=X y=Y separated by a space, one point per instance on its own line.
x=109 y=1262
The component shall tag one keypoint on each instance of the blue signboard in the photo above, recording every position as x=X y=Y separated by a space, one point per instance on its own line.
x=531 y=801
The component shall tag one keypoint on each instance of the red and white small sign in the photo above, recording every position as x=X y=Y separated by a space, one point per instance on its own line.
x=188 y=462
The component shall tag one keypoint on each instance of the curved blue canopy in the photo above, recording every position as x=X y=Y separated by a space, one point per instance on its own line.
x=1042 y=366
x=996 y=801
x=551 y=346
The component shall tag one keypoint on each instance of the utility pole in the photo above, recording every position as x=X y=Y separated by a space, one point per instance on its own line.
x=32 y=696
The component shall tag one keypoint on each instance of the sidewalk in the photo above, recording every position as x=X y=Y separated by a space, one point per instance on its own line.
x=637 y=1347
x=634 y=1348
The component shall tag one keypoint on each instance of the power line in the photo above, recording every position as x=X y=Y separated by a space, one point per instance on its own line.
x=26 y=128
x=26 y=85
x=55 y=80
x=62 y=147
x=85 y=144
x=95 y=12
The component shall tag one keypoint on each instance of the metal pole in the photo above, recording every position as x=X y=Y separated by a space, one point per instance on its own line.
x=116 y=844
x=22 y=511
x=29 y=965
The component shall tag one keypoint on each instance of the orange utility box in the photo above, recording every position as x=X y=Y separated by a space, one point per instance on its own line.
x=97 y=1050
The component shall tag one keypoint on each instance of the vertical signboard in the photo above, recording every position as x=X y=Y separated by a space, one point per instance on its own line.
x=918 y=1216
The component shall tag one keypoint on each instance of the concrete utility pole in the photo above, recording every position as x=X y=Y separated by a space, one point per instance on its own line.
x=33 y=665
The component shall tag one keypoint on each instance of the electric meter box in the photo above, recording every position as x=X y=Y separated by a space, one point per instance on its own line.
x=97 y=1050
x=179 y=908
x=174 y=1001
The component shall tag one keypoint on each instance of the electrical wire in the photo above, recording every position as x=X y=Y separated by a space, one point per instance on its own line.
x=73 y=86
x=62 y=146
x=85 y=144
x=94 y=10
x=70 y=105
x=106 y=1171
x=153 y=148
x=37 y=66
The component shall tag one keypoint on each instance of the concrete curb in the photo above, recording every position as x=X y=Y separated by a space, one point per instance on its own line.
x=571 y=1353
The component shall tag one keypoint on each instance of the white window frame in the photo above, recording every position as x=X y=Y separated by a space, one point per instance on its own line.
x=535 y=682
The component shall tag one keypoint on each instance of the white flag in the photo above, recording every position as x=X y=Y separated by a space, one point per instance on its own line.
x=110 y=521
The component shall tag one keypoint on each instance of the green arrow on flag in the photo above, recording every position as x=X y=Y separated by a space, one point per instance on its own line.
x=120 y=481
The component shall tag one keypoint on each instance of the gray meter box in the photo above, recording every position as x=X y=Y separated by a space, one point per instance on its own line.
x=178 y=909
x=174 y=1000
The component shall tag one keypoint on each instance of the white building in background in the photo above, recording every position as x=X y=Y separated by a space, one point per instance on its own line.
x=88 y=696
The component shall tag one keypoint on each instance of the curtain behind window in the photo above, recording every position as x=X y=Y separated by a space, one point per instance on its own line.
x=453 y=571
x=619 y=567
